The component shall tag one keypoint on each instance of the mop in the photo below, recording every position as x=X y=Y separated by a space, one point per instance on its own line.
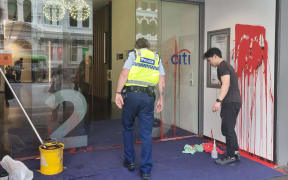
x=16 y=169
x=26 y=115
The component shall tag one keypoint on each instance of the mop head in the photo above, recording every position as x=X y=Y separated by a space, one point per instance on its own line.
x=16 y=169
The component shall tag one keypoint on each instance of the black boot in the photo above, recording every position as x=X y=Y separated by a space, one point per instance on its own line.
x=130 y=166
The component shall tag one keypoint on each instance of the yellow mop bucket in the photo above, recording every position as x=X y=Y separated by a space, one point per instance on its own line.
x=51 y=157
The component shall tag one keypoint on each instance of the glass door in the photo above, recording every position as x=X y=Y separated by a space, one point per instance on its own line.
x=172 y=28
x=180 y=56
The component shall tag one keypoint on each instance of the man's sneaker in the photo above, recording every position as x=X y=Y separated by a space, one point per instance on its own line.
x=130 y=166
x=225 y=160
x=145 y=176
x=237 y=155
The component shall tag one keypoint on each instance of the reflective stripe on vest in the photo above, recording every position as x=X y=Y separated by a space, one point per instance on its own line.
x=142 y=83
x=145 y=69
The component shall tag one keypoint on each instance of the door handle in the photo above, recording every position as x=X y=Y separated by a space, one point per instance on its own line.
x=191 y=83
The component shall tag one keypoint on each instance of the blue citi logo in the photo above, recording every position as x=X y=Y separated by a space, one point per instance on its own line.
x=182 y=57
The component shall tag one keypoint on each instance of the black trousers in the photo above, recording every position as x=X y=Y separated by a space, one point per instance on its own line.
x=18 y=75
x=229 y=113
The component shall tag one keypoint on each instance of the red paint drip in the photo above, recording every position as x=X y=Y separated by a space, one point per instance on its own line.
x=179 y=90
x=175 y=88
x=251 y=60
x=161 y=127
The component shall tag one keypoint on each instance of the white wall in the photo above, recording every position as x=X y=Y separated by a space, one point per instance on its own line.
x=253 y=135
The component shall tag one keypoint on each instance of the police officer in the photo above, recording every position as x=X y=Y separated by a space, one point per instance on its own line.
x=135 y=95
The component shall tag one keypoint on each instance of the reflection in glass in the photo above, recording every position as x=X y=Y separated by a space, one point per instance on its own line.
x=12 y=10
x=27 y=11
x=171 y=27
x=147 y=26
x=147 y=22
x=73 y=22
x=51 y=54
x=50 y=14
x=85 y=23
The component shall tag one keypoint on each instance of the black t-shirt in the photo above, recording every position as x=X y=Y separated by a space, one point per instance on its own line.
x=233 y=94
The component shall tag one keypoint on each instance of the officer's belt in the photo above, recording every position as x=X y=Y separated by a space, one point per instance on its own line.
x=148 y=90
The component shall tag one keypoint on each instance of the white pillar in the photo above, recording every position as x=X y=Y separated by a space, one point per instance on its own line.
x=34 y=8
x=79 y=22
x=65 y=21
x=54 y=16
x=5 y=7
x=49 y=61
x=20 y=10
x=79 y=53
x=91 y=15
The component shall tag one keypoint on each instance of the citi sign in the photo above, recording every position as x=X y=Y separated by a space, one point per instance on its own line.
x=182 y=57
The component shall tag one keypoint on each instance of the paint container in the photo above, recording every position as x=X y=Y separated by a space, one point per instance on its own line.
x=51 y=157
x=214 y=153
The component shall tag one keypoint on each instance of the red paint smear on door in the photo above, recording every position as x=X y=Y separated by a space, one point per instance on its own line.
x=175 y=87
x=251 y=60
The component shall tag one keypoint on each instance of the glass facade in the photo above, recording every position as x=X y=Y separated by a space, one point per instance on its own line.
x=51 y=58
x=60 y=72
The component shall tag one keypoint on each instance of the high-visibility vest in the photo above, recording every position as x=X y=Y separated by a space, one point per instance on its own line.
x=145 y=69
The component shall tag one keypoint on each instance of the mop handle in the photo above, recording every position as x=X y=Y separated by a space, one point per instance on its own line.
x=41 y=141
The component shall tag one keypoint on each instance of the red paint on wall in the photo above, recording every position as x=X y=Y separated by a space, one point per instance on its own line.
x=251 y=66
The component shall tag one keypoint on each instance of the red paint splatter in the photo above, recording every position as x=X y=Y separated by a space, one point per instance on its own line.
x=251 y=62
x=161 y=127
x=73 y=150
x=208 y=147
x=184 y=50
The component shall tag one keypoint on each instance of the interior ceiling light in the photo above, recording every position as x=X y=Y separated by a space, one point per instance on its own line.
x=54 y=10
x=79 y=9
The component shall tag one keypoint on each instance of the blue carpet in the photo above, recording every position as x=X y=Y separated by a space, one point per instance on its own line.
x=101 y=133
x=169 y=164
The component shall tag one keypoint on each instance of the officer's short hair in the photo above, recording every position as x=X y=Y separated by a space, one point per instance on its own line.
x=211 y=52
x=142 y=43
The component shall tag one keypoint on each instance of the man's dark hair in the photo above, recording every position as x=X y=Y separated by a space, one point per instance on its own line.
x=211 y=52
x=142 y=43
x=21 y=59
